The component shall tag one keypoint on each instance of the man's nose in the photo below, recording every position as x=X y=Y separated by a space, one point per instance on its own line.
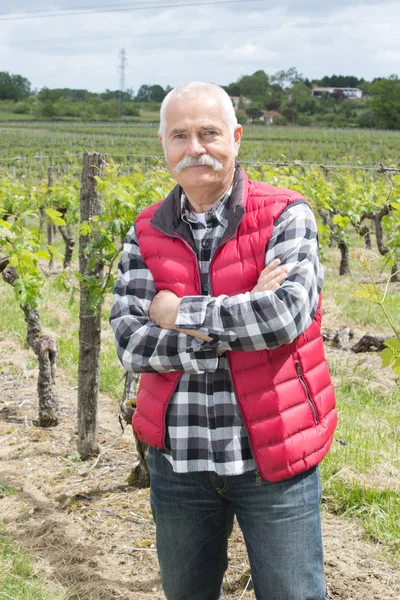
x=195 y=147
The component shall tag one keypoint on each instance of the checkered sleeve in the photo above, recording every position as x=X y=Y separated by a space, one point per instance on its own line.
x=141 y=345
x=258 y=320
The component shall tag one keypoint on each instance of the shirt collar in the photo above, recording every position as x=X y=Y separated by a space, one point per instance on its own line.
x=217 y=210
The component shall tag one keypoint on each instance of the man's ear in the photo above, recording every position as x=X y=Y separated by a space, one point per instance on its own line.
x=160 y=137
x=237 y=136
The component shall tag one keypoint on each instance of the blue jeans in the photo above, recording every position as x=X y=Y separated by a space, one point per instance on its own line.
x=194 y=515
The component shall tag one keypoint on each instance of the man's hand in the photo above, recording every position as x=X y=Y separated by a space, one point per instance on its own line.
x=164 y=309
x=271 y=277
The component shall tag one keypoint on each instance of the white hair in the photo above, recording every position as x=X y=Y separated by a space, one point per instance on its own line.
x=192 y=90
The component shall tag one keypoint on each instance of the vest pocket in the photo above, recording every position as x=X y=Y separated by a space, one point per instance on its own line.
x=306 y=391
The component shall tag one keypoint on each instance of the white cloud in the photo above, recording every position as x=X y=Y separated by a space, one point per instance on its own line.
x=213 y=42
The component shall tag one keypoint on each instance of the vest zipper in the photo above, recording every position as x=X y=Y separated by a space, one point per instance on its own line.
x=306 y=391
x=177 y=237
x=258 y=474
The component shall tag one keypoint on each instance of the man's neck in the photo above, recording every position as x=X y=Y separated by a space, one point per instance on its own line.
x=202 y=200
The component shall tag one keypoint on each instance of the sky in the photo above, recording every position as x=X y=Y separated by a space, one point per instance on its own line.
x=67 y=43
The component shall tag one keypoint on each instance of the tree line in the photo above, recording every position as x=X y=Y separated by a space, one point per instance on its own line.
x=285 y=92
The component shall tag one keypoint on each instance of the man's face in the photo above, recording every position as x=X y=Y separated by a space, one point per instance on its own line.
x=195 y=131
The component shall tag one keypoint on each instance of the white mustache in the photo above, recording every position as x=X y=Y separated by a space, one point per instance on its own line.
x=201 y=161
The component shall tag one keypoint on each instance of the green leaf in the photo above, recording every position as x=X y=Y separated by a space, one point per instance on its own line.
x=43 y=254
x=366 y=292
x=387 y=357
x=13 y=261
x=341 y=221
x=394 y=344
x=56 y=253
x=396 y=367
x=85 y=228
x=55 y=216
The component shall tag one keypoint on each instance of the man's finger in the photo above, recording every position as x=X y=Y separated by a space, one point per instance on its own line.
x=273 y=284
x=271 y=266
x=269 y=276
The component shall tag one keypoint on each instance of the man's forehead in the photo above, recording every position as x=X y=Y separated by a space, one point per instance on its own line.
x=194 y=107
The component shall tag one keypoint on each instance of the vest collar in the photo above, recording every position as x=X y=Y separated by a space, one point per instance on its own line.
x=167 y=217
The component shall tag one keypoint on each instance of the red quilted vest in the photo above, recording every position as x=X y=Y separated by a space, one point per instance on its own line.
x=285 y=395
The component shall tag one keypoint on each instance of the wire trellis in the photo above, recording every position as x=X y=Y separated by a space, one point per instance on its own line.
x=381 y=168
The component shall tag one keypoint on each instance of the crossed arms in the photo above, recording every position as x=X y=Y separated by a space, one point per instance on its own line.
x=158 y=332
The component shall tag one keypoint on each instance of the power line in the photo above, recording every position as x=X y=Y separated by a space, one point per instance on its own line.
x=123 y=8
x=133 y=36
x=190 y=32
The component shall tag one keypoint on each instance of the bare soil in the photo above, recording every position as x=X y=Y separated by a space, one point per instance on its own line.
x=94 y=534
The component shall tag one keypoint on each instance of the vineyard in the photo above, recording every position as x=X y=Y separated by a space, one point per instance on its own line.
x=69 y=193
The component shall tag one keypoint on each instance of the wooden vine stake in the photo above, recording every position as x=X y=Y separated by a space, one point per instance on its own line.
x=90 y=321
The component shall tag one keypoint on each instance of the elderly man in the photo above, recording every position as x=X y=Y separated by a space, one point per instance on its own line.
x=218 y=305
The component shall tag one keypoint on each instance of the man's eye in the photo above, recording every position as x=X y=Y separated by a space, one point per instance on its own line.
x=179 y=136
x=209 y=133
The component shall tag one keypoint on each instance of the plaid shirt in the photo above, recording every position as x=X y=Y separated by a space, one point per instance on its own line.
x=205 y=431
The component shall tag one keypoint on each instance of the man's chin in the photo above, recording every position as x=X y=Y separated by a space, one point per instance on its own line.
x=197 y=176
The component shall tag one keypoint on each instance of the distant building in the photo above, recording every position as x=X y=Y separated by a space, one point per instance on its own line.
x=269 y=116
x=349 y=93
x=237 y=100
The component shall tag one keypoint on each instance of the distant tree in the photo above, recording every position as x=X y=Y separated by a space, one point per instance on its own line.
x=116 y=95
x=366 y=119
x=157 y=93
x=340 y=81
x=129 y=94
x=279 y=121
x=385 y=102
x=71 y=95
x=253 y=113
x=365 y=86
x=347 y=108
x=89 y=113
x=109 y=109
x=290 y=114
x=22 y=108
x=46 y=110
x=150 y=93
x=13 y=87
x=233 y=89
x=131 y=110
x=241 y=118
x=301 y=99
x=47 y=95
x=286 y=78
x=254 y=85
